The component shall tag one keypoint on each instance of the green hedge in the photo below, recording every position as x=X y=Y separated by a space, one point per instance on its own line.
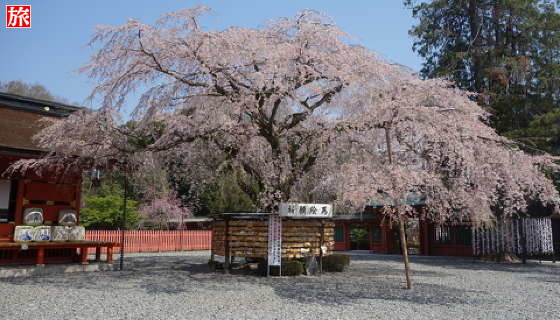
x=289 y=268
x=336 y=262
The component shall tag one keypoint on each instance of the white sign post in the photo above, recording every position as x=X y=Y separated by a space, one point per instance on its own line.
x=305 y=210
x=292 y=210
x=274 y=243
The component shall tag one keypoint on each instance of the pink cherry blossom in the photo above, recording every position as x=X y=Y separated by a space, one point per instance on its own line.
x=300 y=110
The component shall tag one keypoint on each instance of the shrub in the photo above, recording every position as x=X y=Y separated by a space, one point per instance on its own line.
x=336 y=262
x=106 y=211
x=292 y=268
x=215 y=265
x=289 y=268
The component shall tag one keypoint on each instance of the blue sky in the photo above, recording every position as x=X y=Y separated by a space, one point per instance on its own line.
x=56 y=46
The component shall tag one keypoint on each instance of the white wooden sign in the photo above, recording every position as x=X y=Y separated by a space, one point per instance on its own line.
x=305 y=210
x=274 y=240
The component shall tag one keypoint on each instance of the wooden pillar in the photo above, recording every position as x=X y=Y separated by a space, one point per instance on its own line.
x=212 y=254
x=425 y=240
x=18 y=214
x=110 y=254
x=404 y=252
x=40 y=256
x=83 y=255
x=387 y=238
x=97 y=254
x=226 y=245
x=78 y=198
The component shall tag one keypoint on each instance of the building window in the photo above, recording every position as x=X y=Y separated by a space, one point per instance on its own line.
x=339 y=234
x=453 y=235
x=7 y=200
x=376 y=234
x=442 y=235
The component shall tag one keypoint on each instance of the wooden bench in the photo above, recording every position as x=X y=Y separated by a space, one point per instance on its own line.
x=84 y=247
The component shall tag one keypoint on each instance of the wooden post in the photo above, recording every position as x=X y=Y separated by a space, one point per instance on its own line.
x=404 y=249
x=18 y=215
x=401 y=219
x=212 y=241
x=110 y=254
x=97 y=254
x=425 y=240
x=226 y=245
x=40 y=256
x=83 y=255
x=123 y=226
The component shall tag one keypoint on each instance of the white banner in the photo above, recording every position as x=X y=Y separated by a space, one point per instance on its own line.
x=274 y=240
x=305 y=210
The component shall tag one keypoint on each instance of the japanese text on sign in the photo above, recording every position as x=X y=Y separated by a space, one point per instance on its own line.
x=305 y=210
x=274 y=240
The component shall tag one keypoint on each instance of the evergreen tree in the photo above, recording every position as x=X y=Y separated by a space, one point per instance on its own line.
x=103 y=205
x=507 y=51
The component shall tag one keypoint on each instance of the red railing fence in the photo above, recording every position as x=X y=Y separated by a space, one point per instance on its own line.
x=154 y=240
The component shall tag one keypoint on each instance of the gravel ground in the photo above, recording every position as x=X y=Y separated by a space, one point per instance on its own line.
x=180 y=286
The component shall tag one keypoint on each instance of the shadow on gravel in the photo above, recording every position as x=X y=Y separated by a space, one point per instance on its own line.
x=463 y=263
x=154 y=275
x=381 y=279
x=547 y=279
x=343 y=293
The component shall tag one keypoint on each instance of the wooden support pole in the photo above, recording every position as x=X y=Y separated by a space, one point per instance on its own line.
x=18 y=218
x=97 y=254
x=401 y=218
x=123 y=222
x=404 y=249
x=226 y=246
x=83 y=255
x=40 y=256
x=110 y=254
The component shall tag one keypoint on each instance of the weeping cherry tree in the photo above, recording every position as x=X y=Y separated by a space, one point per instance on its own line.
x=295 y=106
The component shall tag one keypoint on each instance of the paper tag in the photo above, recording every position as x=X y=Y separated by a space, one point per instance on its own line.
x=24 y=246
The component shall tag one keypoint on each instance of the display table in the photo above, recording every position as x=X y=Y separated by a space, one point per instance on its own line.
x=83 y=245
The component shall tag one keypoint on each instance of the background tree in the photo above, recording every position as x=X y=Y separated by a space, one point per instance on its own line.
x=36 y=90
x=103 y=206
x=507 y=51
x=225 y=195
x=162 y=206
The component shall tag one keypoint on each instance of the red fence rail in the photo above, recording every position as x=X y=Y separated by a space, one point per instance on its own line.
x=155 y=240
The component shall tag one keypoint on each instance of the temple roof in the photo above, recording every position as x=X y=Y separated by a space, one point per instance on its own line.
x=20 y=120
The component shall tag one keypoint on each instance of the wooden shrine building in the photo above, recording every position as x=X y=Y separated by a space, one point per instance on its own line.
x=20 y=119
x=368 y=230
